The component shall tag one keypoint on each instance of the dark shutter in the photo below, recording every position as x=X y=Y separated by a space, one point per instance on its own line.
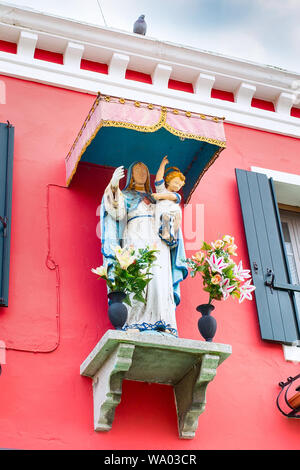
x=274 y=294
x=6 y=166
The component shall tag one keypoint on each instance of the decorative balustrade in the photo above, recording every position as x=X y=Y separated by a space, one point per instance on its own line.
x=162 y=61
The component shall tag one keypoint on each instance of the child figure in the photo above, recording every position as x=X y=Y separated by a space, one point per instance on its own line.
x=168 y=212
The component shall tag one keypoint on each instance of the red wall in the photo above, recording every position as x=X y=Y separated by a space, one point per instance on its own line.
x=56 y=316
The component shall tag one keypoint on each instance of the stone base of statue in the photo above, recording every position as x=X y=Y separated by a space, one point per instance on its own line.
x=187 y=365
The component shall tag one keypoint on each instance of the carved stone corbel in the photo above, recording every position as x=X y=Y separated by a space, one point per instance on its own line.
x=190 y=394
x=187 y=365
x=107 y=386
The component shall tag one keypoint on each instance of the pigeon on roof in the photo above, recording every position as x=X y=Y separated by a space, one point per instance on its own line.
x=140 y=26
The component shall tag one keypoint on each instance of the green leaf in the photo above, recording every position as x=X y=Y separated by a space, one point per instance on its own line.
x=206 y=246
x=139 y=297
x=127 y=300
x=201 y=268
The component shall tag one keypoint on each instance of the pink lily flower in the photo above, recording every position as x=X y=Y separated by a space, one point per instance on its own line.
x=245 y=291
x=240 y=273
x=216 y=264
x=226 y=288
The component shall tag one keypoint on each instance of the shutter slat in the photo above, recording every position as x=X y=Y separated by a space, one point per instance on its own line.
x=6 y=169
x=254 y=255
x=275 y=308
x=3 y=176
x=266 y=230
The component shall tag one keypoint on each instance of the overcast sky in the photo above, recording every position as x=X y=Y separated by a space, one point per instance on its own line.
x=264 y=31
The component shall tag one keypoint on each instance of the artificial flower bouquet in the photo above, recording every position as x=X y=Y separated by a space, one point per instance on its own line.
x=221 y=276
x=130 y=271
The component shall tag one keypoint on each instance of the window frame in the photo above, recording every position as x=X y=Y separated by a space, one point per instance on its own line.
x=292 y=218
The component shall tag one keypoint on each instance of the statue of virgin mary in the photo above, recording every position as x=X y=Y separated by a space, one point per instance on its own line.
x=128 y=218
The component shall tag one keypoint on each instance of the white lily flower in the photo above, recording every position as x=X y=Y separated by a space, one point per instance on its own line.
x=117 y=249
x=125 y=258
x=246 y=290
x=100 y=271
x=217 y=244
x=228 y=239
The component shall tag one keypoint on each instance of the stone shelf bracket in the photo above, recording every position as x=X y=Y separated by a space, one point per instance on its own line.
x=187 y=365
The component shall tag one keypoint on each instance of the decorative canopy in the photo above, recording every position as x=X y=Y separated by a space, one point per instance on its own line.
x=118 y=131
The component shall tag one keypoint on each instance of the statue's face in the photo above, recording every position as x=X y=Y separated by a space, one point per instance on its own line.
x=140 y=173
x=175 y=184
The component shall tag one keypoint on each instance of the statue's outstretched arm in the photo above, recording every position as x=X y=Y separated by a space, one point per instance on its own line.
x=117 y=175
x=113 y=197
x=161 y=171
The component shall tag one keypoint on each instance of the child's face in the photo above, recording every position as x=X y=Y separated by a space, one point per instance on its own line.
x=175 y=184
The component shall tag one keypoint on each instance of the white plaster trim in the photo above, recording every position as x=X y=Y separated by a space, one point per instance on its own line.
x=92 y=82
x=2 y=92
x=284 y=103
x=280 y=176
x=203 y=85
x=162 y=60
x=118 y=65
x=73 y=55
x=144 y=46
x=244 y=94
x=287 y=185
x=26 y=45
x=291 y=353
x=161 y=76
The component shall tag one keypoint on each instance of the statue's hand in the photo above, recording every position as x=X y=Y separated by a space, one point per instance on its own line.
x=117 y=175
x=165 y=160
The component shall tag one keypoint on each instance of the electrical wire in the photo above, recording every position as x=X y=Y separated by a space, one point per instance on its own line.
x=53 y=266
x=98 y=1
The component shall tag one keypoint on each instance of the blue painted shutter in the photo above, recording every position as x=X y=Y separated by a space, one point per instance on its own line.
x=6 y=167
x=276 y=307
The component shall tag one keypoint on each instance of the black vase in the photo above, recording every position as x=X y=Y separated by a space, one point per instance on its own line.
x=117 y=311
x=207 y=324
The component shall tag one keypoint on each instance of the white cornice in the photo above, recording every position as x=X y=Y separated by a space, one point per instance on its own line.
x=121 y=50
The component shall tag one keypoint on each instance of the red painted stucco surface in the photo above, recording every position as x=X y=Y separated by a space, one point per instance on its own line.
x=44 y=402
